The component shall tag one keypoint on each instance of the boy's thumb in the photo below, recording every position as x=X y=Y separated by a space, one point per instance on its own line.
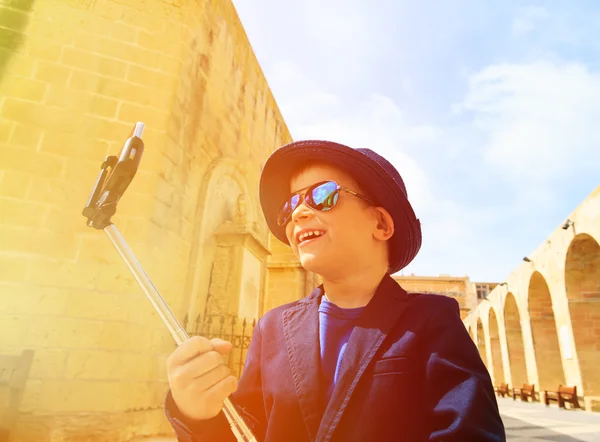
x=223 y=347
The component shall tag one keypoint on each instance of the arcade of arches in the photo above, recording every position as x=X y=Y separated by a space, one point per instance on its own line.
x=542 y=325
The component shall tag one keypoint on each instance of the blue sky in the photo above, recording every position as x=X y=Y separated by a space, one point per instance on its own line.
x=489 y=110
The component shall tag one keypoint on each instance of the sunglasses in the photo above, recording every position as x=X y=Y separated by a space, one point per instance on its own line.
x=322 y=196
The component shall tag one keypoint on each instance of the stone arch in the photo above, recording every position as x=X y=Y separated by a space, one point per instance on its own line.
x=481 y=341
x=545 y=337
x=582 y=284
x=495 y=348
x=514 y=341
x=222 y=184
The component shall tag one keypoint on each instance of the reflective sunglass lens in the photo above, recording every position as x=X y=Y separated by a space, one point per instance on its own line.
x=324 y=196
x=287 y=208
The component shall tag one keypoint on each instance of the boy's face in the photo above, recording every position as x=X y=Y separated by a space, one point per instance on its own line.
x=348 y=241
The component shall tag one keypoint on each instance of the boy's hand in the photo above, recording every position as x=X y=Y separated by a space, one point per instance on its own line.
x=199 y=379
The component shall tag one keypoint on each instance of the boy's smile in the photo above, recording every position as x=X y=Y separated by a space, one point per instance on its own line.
x=307 y=236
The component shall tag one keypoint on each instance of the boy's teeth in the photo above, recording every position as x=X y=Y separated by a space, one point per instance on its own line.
x=306 y=234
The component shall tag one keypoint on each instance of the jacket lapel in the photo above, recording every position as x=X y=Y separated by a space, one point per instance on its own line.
x=383 y=311
x=301 y=332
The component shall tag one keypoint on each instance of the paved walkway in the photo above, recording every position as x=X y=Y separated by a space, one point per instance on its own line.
x=525 y=422
x=536 y=422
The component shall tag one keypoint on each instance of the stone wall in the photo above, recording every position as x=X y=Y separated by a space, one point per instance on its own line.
x=459 y=288
x=75 y=75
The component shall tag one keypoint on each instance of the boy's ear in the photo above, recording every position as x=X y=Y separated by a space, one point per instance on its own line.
x=385 y=224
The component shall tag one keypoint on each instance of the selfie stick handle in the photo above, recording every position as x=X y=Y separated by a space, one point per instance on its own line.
x=114 y=178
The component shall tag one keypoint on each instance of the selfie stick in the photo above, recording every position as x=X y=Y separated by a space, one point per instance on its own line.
x=116 y=173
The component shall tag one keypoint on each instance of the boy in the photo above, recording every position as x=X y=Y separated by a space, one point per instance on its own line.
x=359 y=359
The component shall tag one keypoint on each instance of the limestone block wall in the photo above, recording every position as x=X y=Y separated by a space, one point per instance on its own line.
x=542 y=325
x=459 y=288
x=75 y=75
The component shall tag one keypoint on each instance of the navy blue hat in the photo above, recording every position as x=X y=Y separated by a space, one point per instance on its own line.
x=375 y=174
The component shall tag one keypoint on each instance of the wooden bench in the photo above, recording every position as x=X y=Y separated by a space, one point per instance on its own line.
x=501 y=390
x=14 y=371
x=562 y=395
x=525 y=392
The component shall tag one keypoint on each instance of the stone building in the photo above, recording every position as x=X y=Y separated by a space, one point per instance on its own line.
x=542 y=325
x=75 y=75
x=467 y=293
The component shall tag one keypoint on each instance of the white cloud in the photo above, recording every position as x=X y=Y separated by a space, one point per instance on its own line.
x=540 y=120
x=527 y=19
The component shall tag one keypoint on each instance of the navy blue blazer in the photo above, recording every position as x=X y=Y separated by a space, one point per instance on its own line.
x=410 y=373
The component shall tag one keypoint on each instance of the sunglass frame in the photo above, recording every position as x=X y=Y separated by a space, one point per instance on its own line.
x=303 y=193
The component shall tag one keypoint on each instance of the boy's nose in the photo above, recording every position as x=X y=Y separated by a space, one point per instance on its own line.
x=302 y=211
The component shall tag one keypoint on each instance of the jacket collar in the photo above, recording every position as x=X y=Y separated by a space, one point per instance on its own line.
x=301 y=332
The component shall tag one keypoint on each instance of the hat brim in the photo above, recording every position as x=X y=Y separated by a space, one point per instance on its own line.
x=375 y=180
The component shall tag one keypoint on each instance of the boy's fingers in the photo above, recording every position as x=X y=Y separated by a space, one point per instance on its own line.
x=221 y=390
x=223 y=347
x=189 y=349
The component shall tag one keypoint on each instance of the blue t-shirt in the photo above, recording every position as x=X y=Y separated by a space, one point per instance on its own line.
x=335 y=327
